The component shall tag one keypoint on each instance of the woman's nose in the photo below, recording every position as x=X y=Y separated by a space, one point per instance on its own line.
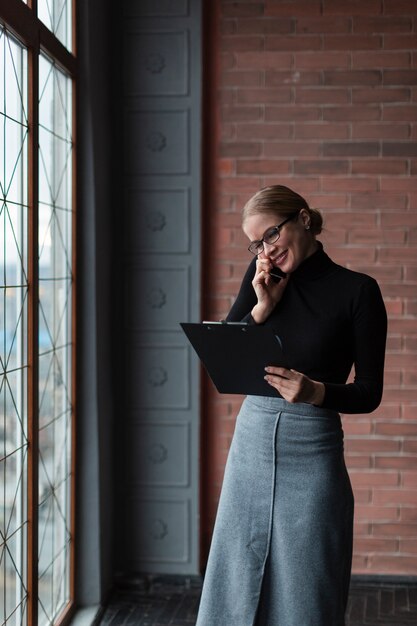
x=269 y=248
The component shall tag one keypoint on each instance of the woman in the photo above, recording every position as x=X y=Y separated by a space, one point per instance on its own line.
x=282 y=545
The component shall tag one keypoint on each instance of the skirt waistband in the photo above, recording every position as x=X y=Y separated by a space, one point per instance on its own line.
x=298 y=408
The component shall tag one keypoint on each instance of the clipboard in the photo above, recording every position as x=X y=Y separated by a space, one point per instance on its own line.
x=235 y=355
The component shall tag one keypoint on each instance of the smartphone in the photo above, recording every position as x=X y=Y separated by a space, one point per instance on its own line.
x=277 y=274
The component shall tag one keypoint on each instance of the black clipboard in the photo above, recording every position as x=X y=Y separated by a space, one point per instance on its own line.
x=235 y=355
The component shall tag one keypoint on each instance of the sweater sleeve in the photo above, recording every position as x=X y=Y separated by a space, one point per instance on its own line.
x=369 y=339
x=246 y=298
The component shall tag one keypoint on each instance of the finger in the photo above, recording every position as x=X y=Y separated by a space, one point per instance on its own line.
x=278 y=371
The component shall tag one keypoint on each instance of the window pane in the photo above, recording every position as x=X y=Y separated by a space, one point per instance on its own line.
x=13 y=330
x=55 y=287
x=56 y=15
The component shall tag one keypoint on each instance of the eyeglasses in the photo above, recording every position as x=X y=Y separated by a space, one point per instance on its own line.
x=271 y=236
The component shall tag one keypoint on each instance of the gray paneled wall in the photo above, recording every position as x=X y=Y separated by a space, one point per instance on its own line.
x=161 y=78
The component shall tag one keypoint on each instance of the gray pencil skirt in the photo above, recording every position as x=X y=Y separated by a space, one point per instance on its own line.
x=282 y=544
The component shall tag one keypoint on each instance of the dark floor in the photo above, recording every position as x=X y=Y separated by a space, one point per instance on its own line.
x=173 y=601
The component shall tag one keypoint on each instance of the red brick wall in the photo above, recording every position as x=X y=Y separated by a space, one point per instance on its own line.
x=320 y=95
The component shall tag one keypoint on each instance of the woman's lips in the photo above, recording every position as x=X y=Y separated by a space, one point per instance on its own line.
x=280 y=258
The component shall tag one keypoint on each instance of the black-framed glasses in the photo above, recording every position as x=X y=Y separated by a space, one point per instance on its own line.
x=270 y=236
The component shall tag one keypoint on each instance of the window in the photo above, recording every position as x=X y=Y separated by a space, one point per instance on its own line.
x=36 y=312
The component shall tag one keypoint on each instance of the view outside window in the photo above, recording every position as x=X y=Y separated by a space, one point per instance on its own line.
x=56 y=15
x=36 y=402
x=13 y=329
x=55 y=350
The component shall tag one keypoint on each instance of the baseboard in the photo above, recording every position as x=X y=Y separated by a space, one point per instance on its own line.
x=383 y=579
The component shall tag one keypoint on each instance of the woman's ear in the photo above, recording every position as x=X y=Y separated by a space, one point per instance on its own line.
x=305 y=219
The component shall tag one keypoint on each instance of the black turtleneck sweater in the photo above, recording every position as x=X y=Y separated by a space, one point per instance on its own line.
x=329 y=318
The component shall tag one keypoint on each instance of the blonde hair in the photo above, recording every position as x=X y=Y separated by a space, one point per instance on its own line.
x=281 y=201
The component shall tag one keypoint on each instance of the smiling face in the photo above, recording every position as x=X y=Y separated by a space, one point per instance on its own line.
x=295 y=243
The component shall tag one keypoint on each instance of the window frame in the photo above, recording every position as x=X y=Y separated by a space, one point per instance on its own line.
x=22 y=21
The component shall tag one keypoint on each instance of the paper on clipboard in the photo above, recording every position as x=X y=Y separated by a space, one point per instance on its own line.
x=235 y=355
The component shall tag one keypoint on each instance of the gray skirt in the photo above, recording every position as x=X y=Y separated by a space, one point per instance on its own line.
x=282 y=544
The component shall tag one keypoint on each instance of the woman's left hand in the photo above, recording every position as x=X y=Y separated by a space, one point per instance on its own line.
x=294 y=386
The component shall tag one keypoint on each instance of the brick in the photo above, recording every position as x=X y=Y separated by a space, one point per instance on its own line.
x=321 y=167
x=409 y=480
x=395 y=496
x=408 y=514
x=375 y=95
x=373 y=479
x=228 y=27
x=323 y=25
x=263 y=60
x=408 y=546
x=380 y=201
x=399 y=112
x=354 y=42
x=227 y=97
x=359 y=563
x=355 y=461
x=236 y=43
x=399 y=77
x=396 y=462
x=240 y=149
x=381 y=59
x=370 y=512
x=293 y=148
x=292 y=7
x=355 y=444
x=263 y=166
x=344 y=113
x=399 y=149
x=242 y=9
x=293 y=43
x=411 y=307
x=321 y=60
x=225 y=167
x=242 y=113
x=352 y=77
x=379 y=167
x=399 y=42
x=292 y=114
x=349 y=184
x=396 y=183
x=351 y=149
x=264 y=96
x=321 y=96
x=404 y=219
x=411 y=445
x=322 y=131
x=375 y=237
x=382 y=24
x=355 y=427
x=361 y=529
x=227 y=61
x=394 y=564
x=394 y=530
x=371 y=544
x=353 y=7
x=397 y=254
x=399 y=7
x=264 y=26
x=329 y=201
x=396 y=429
x=274 y=78
x=242 y=78
x=262 y=131
x=334 y=220
x=381 y=131
x=394 y=307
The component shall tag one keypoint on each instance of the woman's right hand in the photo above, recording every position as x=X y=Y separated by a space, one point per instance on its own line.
x=268 y=291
